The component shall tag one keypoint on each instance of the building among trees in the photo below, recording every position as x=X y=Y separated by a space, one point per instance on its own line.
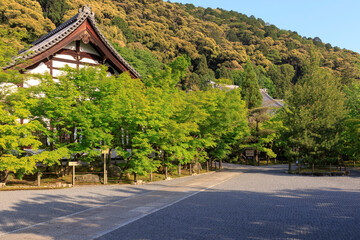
x=77 y=43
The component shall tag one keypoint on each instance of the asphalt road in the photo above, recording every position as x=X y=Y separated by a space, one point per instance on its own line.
x=240 y=203
x=263 y=203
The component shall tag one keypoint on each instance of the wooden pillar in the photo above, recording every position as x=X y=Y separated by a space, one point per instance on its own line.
x=73 y=175
x=38 y=179
x=105 y=170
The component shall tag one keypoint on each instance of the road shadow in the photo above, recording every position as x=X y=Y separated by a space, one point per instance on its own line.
x=214 y=214
x=329 y=213
x=44 y=207
x=282 y=170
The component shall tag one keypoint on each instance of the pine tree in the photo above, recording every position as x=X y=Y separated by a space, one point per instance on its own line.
x=250 y=90
x=313 y=118
x=351 y=135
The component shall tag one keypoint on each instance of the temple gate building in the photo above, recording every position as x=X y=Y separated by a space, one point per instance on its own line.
x=77 y=43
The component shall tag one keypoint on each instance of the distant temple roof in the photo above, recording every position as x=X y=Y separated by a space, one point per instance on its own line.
x=223 y=86
x=268 y=101
x=67 y=29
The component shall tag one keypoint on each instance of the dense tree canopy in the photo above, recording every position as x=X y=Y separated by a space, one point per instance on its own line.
x=314 y=116
x=172 y=116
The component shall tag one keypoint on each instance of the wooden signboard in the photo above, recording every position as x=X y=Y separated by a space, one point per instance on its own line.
x=249 y=153
x=105 y=151
x=73 y=164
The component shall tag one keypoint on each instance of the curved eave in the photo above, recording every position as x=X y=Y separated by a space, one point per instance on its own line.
x=63 y=31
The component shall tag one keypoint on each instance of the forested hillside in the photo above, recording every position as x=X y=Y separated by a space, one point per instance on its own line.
x=149 y=33
x=178 y=47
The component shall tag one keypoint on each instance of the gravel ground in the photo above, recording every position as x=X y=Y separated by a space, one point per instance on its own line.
x=264 y=203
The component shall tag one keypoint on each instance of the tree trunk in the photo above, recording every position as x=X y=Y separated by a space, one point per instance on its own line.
x=354 y=163
x=166 y=172
x=179 y=169
x=207 y=166
x=62 y=170
x=109 y=157
x=299 y=166
x=313 y=167
x=267 y=160
x=289 y=166
x=135 y=177
x=215 y=165
x=190 y=170
x=4 y=176
x=330 y=167
x=151 y=176
x=67 y=168
x=257 y=157
x=220 y=164
x=199 y=166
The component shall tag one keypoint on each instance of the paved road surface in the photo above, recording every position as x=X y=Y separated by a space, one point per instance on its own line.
x=241 y=203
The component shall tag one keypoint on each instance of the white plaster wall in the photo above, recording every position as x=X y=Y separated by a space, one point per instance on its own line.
x=58 y=64
x=87 y=48
x=88 y=60
x=64 y=56
x=42 y=68
x=7 y=88
x=57 y=73
x=31 y=82
x=71 y=46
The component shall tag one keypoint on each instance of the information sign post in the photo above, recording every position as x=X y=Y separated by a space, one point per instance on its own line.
x=73 y=164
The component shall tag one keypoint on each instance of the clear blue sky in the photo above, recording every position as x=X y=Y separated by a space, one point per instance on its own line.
x=335 y=22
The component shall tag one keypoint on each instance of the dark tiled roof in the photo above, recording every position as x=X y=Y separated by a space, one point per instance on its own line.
x=268 y=101
x=64 y=30
x=58 y=29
